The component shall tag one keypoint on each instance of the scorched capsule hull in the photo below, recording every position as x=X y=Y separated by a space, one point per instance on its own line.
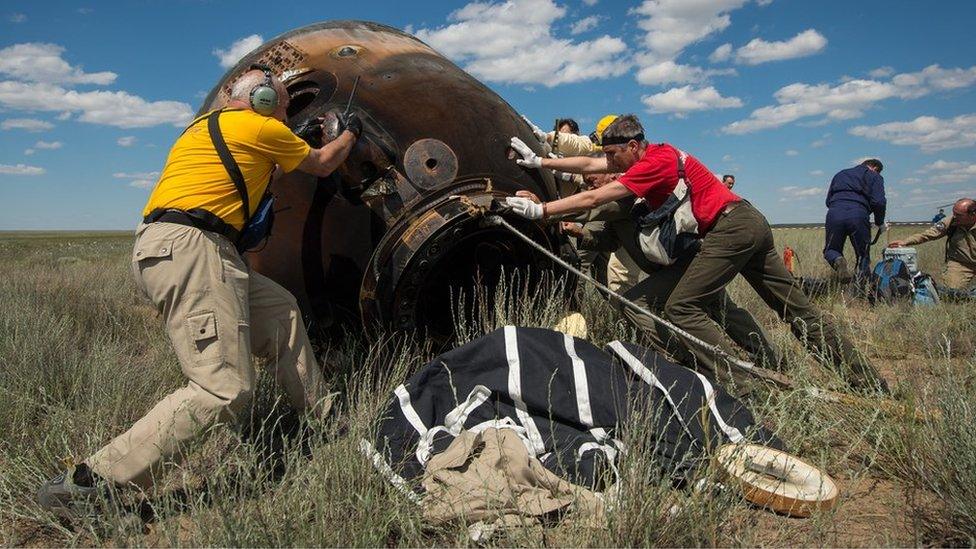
x=384 y=240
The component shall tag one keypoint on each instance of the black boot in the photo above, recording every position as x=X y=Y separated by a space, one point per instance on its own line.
x=840 y=267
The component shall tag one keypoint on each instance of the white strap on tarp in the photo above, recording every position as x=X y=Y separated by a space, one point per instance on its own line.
x=579 y=382
x=453 y=422
x=648 y=376
x=515 y=391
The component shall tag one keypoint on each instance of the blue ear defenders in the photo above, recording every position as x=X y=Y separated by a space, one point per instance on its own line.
x=264 y=96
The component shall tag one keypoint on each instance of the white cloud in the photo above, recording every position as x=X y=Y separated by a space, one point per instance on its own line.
x=882 y=72
x=512 y=42
x=21 y=169
x=27 y=124
x=48 y=145
x=139 y=180
x=120 y=109
x=929 y=133
x=759 y=51
x=585 y=24
x=848 y=99
x=29 y=152
x=799 y=192
x=670 y=26
x=669 y=72
x=673 y=25
x=728 y=158
x=822 y=142
x=942 y=172
x=817 y=173
x=231 y=55
x=721 y=53
x=41 y=62
x=41 y=79
x=687 y=99
x=933 y=78
x=764 y=2
x=135 y=175
x=590 y=2
x=16 y=18
x=792 y=152
x=126 y=141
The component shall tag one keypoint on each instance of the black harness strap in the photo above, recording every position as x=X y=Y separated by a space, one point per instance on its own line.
x=227 y=159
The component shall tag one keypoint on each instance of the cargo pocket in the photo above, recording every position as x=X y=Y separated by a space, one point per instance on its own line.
x=151 y=250
x=146 y=253
x=202 y=331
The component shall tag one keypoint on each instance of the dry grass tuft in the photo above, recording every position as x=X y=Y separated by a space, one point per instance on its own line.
x=81 y=358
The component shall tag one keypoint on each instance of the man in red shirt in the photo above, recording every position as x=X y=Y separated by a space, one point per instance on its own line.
x=735 y=239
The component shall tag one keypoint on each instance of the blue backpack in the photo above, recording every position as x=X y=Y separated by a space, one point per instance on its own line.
x=890 y=282
x=925 y=292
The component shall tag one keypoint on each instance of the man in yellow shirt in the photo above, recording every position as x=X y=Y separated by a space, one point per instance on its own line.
x=216 y=310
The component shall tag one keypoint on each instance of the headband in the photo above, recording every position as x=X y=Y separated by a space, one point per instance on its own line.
x=620 y=140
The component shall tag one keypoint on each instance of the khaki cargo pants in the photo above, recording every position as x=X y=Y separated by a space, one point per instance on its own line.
x=623 y=273
x=217 y=312
x=742 y=242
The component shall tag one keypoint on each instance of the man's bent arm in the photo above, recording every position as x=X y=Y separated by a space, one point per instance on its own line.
x=587 y=200
x=932 y=233
x=598 y=236
x=322 y=162
x=877 y=199
x=576 y=164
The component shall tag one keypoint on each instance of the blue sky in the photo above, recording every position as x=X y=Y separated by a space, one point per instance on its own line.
x=782 y=93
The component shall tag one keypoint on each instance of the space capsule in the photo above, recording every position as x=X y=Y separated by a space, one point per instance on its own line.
x=385 y=240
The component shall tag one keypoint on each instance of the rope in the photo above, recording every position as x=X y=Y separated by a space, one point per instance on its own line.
x=748 y=366
x=770 y=376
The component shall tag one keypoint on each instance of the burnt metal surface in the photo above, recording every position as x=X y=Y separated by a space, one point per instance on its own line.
x=430 y=163
x=382 y=241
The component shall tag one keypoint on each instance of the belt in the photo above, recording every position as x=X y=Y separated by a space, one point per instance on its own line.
x=198 y=218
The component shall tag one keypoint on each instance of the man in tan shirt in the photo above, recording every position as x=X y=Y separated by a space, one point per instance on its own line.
x=960 y=252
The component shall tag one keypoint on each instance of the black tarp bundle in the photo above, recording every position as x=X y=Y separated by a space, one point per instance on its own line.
x=567 y=399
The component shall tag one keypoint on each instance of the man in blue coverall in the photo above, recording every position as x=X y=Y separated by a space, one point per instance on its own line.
x=854 y=194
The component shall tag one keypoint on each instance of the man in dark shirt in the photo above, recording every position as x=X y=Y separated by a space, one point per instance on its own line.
x=854 y=194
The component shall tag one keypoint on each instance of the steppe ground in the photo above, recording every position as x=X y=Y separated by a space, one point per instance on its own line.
x=81 y=357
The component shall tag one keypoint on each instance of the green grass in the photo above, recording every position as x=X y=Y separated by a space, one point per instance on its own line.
x=82 y=357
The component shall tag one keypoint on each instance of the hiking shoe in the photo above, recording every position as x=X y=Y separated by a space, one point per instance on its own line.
x=75 y=492
x=840 y=267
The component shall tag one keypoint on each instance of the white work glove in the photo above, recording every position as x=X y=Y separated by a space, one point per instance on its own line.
x=536 y=130
x=524 y=207
x=529 y=158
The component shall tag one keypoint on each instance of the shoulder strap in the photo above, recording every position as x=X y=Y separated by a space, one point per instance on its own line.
x=681 y=164
x=227 y=159
x=949 y=233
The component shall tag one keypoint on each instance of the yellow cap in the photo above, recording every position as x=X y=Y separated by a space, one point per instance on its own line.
x=602 y=125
